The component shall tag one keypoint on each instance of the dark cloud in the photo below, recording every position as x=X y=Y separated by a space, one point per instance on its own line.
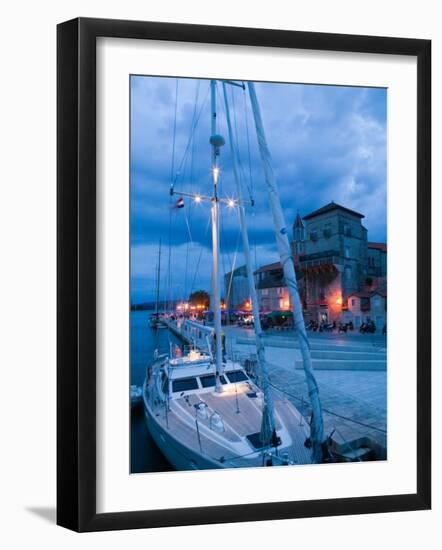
x=327 y=143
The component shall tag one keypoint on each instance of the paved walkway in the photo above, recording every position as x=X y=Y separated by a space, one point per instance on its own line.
x=354 y=401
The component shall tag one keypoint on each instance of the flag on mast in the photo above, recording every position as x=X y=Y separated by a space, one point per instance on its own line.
x=179 y=203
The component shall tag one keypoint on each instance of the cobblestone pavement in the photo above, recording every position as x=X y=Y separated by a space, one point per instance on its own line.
x=354 y=401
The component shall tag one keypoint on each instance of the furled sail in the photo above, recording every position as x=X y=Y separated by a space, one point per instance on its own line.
x=268 y=420
x=317 y=427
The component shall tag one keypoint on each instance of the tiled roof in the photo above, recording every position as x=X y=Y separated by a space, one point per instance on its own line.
x=363 y=294
x=271 y=282
x=269 y=267
x=329 y=208
x=378 y=246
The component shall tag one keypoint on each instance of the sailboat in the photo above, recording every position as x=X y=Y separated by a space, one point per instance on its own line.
x=202 y=409
x=155 y=320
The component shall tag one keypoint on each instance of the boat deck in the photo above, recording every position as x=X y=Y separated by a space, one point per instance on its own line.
x=241 y=415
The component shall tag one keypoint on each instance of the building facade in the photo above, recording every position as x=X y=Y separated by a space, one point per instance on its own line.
x=335 y=265
x=377 y=259
x=364 y=306
x=334 y=262
x=236 y=288
x=271 y=289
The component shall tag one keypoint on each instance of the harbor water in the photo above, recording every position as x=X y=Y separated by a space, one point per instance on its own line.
x=144 y=454
x=351 y=371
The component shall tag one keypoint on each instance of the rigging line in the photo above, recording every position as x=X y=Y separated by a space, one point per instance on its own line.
x=192 y=128
x=246 y=111
x=192 y=160
x=222 y=239
x=172 y=167
x=201 y=252
x=237 y=149
x=235 y=125
x=188 y=229
x=242 y=175
x=370 y=426
x=229 y=289
x=220 y=121
x=169 y=282
x=250 y=187
x=190 y=137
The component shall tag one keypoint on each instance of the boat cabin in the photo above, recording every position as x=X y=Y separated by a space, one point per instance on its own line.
x=195 y=373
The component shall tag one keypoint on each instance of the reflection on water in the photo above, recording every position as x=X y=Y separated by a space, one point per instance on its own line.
x=144 y=454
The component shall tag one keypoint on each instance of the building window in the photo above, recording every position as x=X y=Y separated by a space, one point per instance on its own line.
x=265 y=291
x=365 y=304
x=347 y=230
x=327 y=231
x=314 y=236
x=353 y=301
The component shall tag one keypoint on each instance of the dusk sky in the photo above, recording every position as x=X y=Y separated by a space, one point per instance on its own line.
x=327 y=143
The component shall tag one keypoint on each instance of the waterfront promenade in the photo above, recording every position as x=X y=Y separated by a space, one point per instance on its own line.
x=350 y=370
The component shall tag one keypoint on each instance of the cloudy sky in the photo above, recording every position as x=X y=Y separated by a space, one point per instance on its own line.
x=327 y=143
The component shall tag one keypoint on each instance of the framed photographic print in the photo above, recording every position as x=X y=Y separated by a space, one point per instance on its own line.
x=243 y=274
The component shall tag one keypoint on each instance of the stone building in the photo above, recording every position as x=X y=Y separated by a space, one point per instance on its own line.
x=377 y=260
x=363 y=306
x=333 y=259
x=271 y=289
x=341 y=276
x=333 y=262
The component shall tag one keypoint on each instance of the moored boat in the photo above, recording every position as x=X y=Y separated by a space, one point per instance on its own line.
x=198 y=427
x=202 y=409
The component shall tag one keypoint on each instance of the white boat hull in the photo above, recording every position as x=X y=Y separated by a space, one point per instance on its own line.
x=179 y=456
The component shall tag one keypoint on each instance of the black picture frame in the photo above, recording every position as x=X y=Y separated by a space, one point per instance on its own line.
x=77 y=287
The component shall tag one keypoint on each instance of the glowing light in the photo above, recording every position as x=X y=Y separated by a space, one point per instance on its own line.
x=286 y=303
x=197 y=198
x=231 y=203
x=215 y=174
x=339 y=301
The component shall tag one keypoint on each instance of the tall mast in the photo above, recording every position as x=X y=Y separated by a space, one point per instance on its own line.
x=317 y=427
x=157 y=300
x=268 y=419
x=216 y=141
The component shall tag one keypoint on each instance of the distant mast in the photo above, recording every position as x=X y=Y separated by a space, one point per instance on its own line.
x=317 y=427
x=157 y=297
